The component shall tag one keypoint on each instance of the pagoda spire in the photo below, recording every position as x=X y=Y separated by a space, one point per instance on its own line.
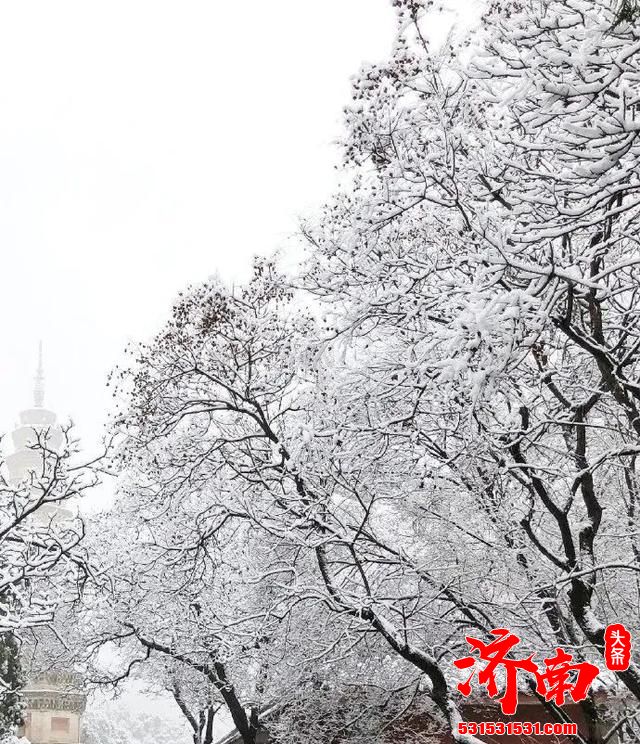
x=38 y=388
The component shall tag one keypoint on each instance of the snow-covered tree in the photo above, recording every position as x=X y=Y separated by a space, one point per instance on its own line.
x=437 y=430
x=42 y=562
x=12 y=680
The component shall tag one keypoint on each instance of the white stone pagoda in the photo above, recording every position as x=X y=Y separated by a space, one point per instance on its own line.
x=54 y=700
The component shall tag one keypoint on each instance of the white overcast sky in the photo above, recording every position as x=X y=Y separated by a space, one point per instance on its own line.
x=145 y=144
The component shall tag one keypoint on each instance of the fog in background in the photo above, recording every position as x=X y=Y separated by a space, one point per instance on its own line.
x=147 y=144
